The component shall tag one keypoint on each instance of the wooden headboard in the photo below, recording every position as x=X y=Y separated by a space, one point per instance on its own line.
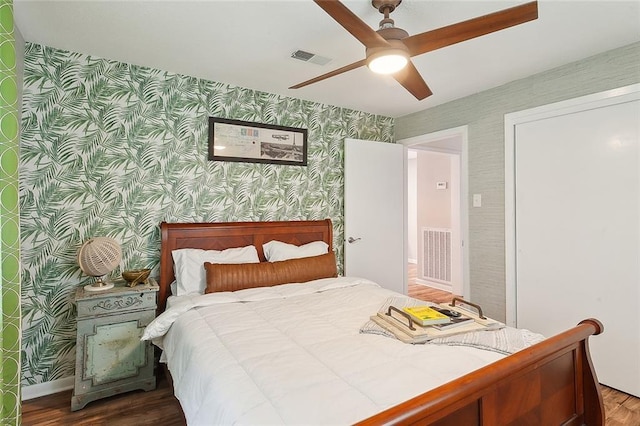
x=224 y=235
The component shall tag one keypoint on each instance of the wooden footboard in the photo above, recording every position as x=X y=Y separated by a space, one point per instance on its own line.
x=551 y=383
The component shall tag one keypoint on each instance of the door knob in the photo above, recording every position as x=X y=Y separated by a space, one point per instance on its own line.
x=352 y=240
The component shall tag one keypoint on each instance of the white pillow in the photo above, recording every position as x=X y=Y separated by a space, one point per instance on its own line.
x=275 y=251
x=188 y=265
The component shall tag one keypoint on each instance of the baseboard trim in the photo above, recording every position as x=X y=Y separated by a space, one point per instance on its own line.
x=432 y=284
x=47 y=388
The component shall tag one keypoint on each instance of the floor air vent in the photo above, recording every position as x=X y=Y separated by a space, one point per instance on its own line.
x=436 y=256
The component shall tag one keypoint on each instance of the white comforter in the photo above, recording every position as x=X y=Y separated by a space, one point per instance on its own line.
x=293 y=354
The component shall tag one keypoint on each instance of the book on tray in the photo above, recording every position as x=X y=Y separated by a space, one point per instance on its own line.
x=453 y=323
x=426 y=315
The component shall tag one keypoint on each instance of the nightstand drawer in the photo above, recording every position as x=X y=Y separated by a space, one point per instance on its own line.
x=116 y=303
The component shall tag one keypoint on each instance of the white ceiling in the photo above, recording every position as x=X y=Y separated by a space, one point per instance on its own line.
x=249 y=43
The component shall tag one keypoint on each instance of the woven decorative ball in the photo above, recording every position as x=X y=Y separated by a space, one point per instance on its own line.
x=136 y=276
x=99 y=256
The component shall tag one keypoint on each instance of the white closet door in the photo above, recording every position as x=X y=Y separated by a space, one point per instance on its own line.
x=577 y=187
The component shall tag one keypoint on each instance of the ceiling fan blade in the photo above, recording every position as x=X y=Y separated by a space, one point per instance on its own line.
x=411 y=80
x=472 y=28
x=350 y=22
x=331 y=74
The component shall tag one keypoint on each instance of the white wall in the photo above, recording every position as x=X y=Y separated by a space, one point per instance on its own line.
x=412 y=208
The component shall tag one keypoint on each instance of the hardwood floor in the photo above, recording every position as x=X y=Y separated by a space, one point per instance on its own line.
x=137 y=408
x=424 y=292
x=620 y=408
x=159 y=407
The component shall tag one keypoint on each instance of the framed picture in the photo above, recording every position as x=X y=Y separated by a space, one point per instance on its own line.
x=235 y=140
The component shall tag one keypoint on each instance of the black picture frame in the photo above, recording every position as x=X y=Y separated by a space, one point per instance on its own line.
x=245 y=141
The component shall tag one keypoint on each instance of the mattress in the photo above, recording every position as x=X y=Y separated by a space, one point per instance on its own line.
x=294 y=354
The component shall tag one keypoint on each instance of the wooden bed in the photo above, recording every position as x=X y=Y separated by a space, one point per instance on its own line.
x=551 y=383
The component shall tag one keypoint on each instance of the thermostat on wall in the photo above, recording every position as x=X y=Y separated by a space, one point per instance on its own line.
x=441 y=185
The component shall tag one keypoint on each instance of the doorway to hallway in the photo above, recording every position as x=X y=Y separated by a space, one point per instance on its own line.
x=437 y=208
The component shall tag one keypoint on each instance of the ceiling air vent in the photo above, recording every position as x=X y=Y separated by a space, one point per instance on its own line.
x=301 y=55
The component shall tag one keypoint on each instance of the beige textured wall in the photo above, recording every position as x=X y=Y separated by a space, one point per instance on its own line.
x=484 y=114
x=434 y=205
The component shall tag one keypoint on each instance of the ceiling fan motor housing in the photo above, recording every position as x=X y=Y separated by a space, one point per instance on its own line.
x=392 y=33
x=394 y=37
x=396 y=46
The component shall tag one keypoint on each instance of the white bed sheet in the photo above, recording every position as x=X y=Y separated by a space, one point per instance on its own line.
x=293 y=354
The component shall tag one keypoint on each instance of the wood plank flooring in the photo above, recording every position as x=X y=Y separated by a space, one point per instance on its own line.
x=137 y=408
x=620 y=408
x=159 y=407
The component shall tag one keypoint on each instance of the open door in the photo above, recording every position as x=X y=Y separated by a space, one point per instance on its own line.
x=375 y=212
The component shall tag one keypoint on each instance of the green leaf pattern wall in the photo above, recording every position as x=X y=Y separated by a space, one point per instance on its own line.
x=112 y=149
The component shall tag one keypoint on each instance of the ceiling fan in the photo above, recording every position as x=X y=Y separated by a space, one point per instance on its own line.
x=389 y=49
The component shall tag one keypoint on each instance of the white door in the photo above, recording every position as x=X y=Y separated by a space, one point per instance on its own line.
x=375 y=212
x=577 y=191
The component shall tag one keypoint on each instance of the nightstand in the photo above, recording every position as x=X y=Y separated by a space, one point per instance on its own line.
x=110 y=357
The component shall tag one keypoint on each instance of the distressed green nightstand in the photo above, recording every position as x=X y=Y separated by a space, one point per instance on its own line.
x=110 y=357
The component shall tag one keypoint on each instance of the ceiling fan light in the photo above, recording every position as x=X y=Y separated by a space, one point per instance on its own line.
x=388 y=61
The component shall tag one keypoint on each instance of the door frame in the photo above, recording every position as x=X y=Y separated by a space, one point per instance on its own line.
x=423 y=142
x=511 y=120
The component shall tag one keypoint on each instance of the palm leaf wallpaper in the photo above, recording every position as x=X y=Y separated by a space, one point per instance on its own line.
x=112 y=149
